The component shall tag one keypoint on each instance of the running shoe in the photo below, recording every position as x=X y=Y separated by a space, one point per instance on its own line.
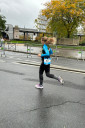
x=61 y=80
x=39 y=86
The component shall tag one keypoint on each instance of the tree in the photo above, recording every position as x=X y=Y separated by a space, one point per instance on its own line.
x=64 y=15
x=2 y=23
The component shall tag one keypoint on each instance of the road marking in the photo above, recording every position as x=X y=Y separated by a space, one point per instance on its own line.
x=11 y=56
x=24 y=64
x=2 y=61
x=69 y=71
x=26 y=60
x=15 y=63
x=52 y=67
x=19 y=59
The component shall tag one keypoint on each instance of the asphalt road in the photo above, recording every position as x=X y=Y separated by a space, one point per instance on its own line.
x=23 y=106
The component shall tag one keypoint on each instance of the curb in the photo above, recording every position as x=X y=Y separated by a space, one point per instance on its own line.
x=53 y=66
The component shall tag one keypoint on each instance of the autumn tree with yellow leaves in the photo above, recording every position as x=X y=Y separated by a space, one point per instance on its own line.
x=64 y=15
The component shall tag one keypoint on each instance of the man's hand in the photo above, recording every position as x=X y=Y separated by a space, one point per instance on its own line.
x=39 y=55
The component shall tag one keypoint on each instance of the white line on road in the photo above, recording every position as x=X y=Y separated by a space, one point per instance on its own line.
x=11 y=56
x=18 y=58
x=2 y=61
x=69 y=71
x=24 y=64
x=38 y=64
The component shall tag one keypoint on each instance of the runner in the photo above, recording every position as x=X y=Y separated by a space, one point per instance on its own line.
x=46 y=61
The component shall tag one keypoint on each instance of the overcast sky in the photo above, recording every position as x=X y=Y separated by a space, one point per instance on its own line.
x=21 y=12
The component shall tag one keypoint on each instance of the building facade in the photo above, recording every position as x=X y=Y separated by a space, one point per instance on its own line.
x=9 y=31
x=16 y=32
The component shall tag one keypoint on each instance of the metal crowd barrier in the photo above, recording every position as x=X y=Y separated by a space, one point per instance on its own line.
x=12 y=46
x=55 y=53
x=80 y=55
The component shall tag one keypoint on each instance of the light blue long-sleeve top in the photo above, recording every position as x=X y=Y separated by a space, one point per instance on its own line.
x=47 y=52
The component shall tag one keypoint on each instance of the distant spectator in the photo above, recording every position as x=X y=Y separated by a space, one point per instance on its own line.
x=2 y=40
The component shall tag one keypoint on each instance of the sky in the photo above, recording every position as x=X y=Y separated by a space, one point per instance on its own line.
x=21 y=12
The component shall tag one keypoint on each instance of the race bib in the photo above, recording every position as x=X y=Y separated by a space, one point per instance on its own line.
x=47 y=61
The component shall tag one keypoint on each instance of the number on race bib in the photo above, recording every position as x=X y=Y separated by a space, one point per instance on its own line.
x=47 y=61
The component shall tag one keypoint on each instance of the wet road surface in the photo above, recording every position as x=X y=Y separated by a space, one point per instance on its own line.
x=23 y=106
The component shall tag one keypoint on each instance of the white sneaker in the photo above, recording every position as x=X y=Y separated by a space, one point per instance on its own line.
x=61 y=80
x=39 y=86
